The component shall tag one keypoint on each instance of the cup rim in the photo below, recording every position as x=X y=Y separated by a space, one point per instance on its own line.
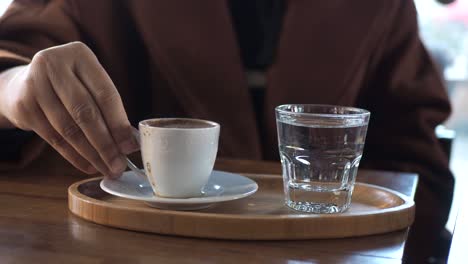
x=143 y=123
x=360 y=112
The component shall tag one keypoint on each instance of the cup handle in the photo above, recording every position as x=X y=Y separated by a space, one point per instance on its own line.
x=130 y=164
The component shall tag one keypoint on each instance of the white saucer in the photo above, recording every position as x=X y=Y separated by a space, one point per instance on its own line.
x=221 y=187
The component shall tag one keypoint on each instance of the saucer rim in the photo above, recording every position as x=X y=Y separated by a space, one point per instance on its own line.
x=191 y=200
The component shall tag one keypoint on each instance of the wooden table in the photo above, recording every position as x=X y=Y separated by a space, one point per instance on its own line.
x=37 y=227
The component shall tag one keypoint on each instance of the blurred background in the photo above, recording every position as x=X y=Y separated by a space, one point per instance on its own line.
x=444 y=30
x=3 y=5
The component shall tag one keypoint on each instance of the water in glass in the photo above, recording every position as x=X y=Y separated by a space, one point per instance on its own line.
x=320 y=159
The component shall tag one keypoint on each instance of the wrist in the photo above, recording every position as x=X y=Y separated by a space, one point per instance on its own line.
x=7 y=82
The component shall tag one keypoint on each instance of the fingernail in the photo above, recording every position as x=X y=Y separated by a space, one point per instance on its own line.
x=118 y=165
x=129 y=146
x=91 y=169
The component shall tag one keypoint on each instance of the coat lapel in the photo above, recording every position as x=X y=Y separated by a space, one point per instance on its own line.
x=194 y=47
x=322 y=55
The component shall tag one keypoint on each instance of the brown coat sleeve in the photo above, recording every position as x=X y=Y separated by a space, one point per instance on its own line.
x=32 y=25
x=408 y=100
x=27 y=27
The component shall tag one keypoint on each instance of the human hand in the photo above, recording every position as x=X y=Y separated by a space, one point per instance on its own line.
x=67 y=98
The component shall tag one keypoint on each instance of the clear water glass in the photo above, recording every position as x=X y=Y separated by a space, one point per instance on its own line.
x=320 y=148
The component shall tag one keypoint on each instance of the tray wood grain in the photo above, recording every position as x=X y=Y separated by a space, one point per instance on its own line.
x=262 y=216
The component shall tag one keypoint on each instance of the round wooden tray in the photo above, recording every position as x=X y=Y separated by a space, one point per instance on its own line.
x=262 y=216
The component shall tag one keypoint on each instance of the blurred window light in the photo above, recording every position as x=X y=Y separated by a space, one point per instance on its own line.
x=4 y=5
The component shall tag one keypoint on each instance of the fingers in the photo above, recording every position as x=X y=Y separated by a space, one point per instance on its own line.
x=68 y=131
x=44 y=129
x=72 y=113
x=81 y=112
x=107 y=98
x=95 y=105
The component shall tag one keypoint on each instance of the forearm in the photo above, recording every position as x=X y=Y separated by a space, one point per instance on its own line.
x=6 y=78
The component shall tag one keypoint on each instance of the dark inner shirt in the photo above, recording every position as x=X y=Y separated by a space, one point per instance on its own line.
x=257 y=25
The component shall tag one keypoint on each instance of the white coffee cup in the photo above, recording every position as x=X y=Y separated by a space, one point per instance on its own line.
x=178 y=154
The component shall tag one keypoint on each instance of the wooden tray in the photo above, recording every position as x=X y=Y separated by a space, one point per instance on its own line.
x=262 y=216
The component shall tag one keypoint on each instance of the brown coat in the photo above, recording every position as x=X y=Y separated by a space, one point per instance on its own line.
x=180 y=58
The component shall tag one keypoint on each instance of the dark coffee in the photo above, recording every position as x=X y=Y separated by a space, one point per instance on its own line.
x=180 y=123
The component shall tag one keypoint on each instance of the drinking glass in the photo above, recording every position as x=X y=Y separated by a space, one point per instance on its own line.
x=320 y=148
